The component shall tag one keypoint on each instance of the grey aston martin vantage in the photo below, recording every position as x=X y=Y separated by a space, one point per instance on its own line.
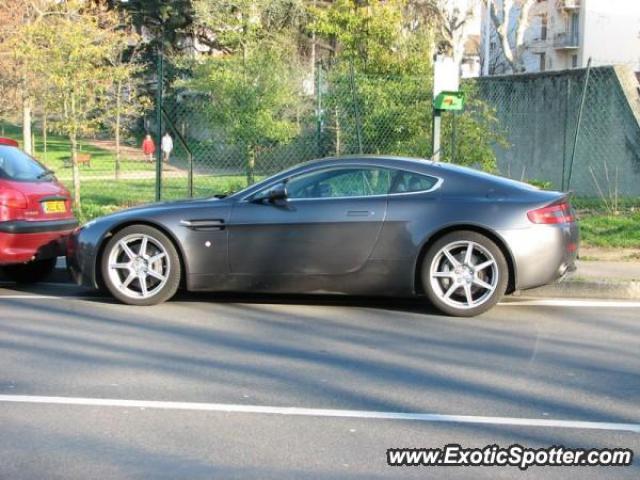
x=362 y=225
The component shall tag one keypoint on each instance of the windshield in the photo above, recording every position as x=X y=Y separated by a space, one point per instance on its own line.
x=17 y=165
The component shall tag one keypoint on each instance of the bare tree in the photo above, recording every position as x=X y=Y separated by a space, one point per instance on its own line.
x=453 y=19
x=510 y=19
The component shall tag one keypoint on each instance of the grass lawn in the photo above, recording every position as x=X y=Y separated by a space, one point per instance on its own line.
x=98 y=200
x=602 y=230
x=106 y=194
x=58 y=149
x=102 y=193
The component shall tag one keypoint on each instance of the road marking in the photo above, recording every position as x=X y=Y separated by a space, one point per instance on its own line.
x=319 y=412
x=40 y=284
x=567 y=302
x=49 y=297
x=551 y=302
x=30 y=297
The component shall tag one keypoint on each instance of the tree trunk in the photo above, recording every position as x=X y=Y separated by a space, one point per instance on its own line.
x=44 y=134
x=75 y=170
x=26 y=125
x=117 y=127
x=338 y=146
x=251 y=164
x=313 y=55
x=73 y=138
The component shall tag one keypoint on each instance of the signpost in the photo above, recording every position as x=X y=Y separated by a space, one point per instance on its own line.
x=446 y=96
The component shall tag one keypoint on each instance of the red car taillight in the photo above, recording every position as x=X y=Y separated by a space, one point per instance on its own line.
x=12 y=199
x=555 y=213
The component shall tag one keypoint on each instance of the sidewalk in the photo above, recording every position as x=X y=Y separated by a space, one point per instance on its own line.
x=597 y=279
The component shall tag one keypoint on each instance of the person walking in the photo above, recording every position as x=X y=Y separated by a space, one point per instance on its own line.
x=167 y=147
x=148 y=148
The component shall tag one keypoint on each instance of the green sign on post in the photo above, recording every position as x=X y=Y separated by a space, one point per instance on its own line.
x=449 y=101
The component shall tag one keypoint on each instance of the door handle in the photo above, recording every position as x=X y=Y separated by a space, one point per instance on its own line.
x=359 y=213
x=213 y=224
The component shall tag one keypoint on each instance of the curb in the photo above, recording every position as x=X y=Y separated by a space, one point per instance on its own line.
x=589 y=288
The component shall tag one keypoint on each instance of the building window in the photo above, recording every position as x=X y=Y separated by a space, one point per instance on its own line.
x=575 y=27
x=544 y=24
x=574 y=61
x=543 y=62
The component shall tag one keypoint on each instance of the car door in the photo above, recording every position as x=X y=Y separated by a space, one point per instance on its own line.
x=328 y=225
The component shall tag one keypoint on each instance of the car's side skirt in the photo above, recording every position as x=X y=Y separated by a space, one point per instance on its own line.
x=378 y=277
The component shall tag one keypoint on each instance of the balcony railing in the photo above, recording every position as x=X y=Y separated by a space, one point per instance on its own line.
x=567 y=40
x=569 y=4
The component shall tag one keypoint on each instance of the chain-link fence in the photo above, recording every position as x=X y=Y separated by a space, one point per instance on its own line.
x=573 y=130
x=339 y=111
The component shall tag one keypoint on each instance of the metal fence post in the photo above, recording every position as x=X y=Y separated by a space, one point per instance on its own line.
x=356 y=110
x=564 y=133
x=159 y=94
x=579 y=123
x=182 y=139
x=454 y=128
x=435 y=134
x=318 y=91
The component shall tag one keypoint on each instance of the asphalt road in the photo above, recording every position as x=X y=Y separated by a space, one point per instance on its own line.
x=245 y=370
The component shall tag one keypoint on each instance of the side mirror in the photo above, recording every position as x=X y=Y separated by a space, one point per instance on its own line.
x=276 y=193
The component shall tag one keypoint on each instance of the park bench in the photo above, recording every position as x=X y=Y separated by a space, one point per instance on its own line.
x=82 y=159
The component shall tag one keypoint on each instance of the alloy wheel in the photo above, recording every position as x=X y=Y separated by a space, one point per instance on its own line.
x=139 y=266
x=464 y=274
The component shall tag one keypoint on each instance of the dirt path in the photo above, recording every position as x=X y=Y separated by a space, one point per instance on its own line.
x=166 y=173
x=130 y=153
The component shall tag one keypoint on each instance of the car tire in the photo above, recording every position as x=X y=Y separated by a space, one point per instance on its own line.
x=464 y=274
x=140 y=266
x=32 y=272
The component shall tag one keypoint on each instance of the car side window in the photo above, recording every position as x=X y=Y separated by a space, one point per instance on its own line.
x=340 y=182
x=407 y=182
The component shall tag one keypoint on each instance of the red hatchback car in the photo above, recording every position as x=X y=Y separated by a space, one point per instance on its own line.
x=35 y=216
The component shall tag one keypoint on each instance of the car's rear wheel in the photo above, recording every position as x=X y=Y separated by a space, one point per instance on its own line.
x=464 y=274
x=140 y=266
x=31 y=272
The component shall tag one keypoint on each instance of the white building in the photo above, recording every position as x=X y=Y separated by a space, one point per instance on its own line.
x=563 y=34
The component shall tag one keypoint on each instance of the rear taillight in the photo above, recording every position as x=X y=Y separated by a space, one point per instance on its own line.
x=555 y=213
x=12 y=199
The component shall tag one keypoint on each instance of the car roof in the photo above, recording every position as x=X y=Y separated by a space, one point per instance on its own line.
x=382 y=160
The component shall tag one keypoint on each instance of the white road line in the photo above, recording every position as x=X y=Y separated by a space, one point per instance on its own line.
x=320 y=412
x=30 y=297
x=567 y=302
x=41 y=284
x=48 y=297
x=551 y=302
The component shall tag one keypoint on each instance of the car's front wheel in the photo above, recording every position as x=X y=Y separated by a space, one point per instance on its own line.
x=140 y=266
x=31 y=272
x=464 y=274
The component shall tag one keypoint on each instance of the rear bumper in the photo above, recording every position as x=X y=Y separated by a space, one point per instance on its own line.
x=23 y=241
x=45 y=226
x=543 y=253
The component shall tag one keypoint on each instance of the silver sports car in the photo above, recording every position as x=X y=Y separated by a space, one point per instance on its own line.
x=362 y=225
